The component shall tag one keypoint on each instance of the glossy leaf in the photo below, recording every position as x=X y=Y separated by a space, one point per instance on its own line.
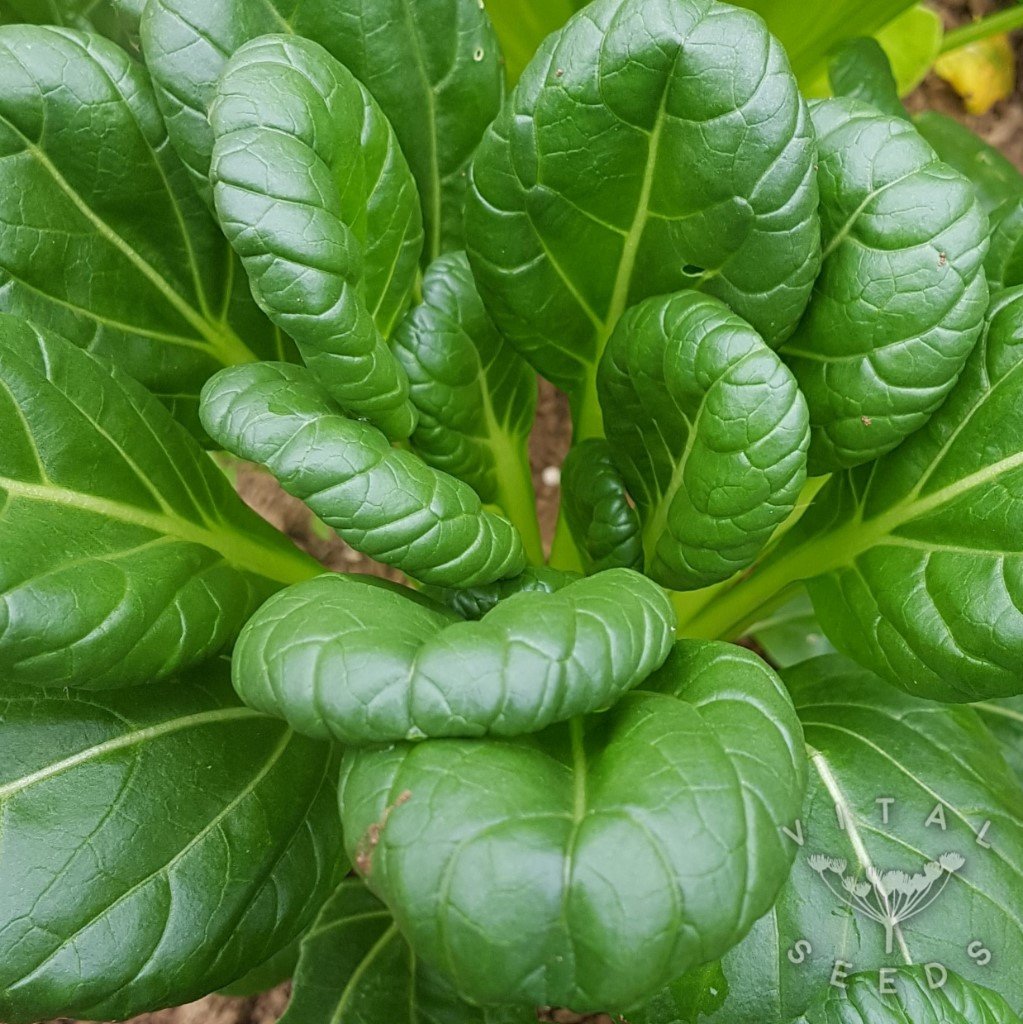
x=710 y=432
x=792 y=633
x=474 y=602
x=348 y=658
x=356 y=968
x=618 y=851
x=104 y=239
x=868 y=743
x=432 y=65
x=383 y=501
x=126 y=554
x=269 y=974
x=901 y=295
x=911 y=995
x=860 y=70
x=643 y=152
x=921 y=576
x=597 y=508
x=475 y=396
x=153 y=850
x=317 y=200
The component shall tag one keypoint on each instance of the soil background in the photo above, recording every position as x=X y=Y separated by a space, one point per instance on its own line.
x=1002 y=127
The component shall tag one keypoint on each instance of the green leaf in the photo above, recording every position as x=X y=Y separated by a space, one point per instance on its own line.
x=596 y=505
x=476 y=398
x=619 y=850
x=105 y=241
x=432 y=65
x=314 y=194
x=912 y=43
x=153 y=850
x=709 y=431
x=911 y=994
x=126 y=553
x=792 y=633
x=383 y=501
x=356 y=968
x=474 y=602
x=901 y=296
x=1004 y=718
x=279 y=968
x=868 y=743
x=641 y=153
x=522 y=25
x=348 y=658
x=860 y=71
x=921 y=579
x=999 y=187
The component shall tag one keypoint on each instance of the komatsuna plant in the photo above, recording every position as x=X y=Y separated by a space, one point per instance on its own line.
x=327 y=239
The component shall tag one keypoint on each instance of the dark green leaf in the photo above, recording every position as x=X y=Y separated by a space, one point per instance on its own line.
x=279 y=968
x=475 y=602
x=913 y=995
x=356 y=968
x=315 y=196
x=710 y=432
x=596 y=506
x=901 y=296
x=590 y=865
x=869 y=743
x=126 y=554
x=1004 y=263
x=384 y=501
x=432 y=65
x=104 y=239
x=860 y=70
x=476 y=398
x=153 y=850
x=349 y=658
x=643 y=152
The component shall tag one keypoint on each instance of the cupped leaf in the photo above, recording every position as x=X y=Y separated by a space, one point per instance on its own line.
x=861 y=71
x=904 y=795
x=710 y=432
x=153 y=850
x=597 y=508
x=317 y=200
x=643 y=152
x=385 y=502
x=432 y=65
x=126 y=555
x=911 y=994
x=916 y=561
x=901 y=296
x=105 y=241
x=474 y=602
x=357 y=968
x=619 y=850
x=349 y=658
x=912 y=800
x=475 y=396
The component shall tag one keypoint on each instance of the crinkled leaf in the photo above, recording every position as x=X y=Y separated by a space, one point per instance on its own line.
x=792 y=633
x=126 y=555
x=475 y=602
x=911 y=995
x=710 y=432
x=153 y=850
x=617 y=852
x=349 y=658
x=901 y=295
x=867 y=742
x=432 y=65
x=314 y=194
x=105 y=241
x=596 y=506
x=386 y=502
x=643 y=152
x=860 y=70
x=916 y=561
x=356 y=968
x=475 y=396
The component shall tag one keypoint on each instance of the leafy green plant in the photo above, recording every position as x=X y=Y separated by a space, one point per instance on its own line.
x=319 y=237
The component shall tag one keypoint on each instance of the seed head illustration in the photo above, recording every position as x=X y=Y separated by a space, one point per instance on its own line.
x=888 y=897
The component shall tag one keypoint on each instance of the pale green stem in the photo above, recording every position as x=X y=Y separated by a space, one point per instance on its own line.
x=982 y=28
x=517 y=499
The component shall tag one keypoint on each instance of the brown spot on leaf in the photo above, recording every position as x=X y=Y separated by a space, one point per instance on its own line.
x=866 y=421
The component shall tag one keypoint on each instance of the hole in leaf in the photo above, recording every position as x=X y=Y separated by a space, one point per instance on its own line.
x=692 y=270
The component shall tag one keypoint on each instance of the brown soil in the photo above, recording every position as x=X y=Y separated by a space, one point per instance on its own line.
x=1002 y=127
